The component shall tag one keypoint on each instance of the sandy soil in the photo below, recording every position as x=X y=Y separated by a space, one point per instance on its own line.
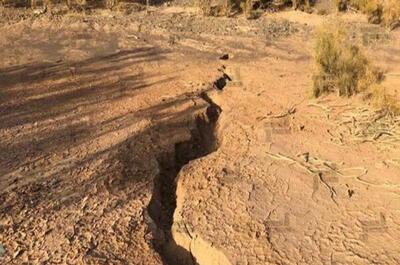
x=117 y=145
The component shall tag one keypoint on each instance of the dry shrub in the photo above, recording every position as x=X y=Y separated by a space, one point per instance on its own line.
x=373 y=9
x=113 y=3
x=219 y=8
x=341 y=4
x=391 y=13
x=304 y=5
x=14 y=3
x=321 y=11
x=340 y=65
x=215 y=7
x=366 y=6
x=378 y=11
x=248 y=7
x=127 y=8
x=72 y=4
x=381 y=99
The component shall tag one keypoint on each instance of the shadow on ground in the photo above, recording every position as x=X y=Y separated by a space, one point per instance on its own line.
x=57 y=148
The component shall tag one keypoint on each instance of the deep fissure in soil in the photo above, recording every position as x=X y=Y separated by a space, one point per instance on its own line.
x=203 y=141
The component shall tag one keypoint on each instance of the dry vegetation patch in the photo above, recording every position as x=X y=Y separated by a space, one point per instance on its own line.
x=342 y=66
x=71 y=4
x=386 y=12
x=249 y=7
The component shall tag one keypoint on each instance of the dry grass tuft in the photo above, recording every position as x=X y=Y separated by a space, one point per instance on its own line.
x=381 y=99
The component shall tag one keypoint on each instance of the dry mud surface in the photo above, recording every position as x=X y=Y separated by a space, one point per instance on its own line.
x=126 y=140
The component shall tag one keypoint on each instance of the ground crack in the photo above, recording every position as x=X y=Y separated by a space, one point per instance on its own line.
x=202 y=142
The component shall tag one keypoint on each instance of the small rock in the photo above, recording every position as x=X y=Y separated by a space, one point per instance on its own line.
x=224 y=57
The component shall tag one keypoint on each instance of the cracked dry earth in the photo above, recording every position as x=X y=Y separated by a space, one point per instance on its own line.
x=116 y=148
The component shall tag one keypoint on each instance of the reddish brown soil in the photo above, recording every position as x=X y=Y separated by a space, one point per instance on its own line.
x=100 y=113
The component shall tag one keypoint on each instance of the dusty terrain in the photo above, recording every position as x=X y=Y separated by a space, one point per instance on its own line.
x=125 y=139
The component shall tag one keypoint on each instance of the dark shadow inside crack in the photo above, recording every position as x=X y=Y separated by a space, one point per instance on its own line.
x=163 y=203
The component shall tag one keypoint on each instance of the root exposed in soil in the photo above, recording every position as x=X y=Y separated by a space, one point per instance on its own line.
x=163 y=203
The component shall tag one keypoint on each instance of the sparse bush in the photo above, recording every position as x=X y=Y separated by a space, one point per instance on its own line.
x=340 y=65
x=228 y=7
x=373 y=9
x=367 y=6
x=391 y=13
x=378 y=11
x=304 y=5
x=72 y=4
x=215 y=7
x=321 y=11
x=381 y=99
x=341 y=4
